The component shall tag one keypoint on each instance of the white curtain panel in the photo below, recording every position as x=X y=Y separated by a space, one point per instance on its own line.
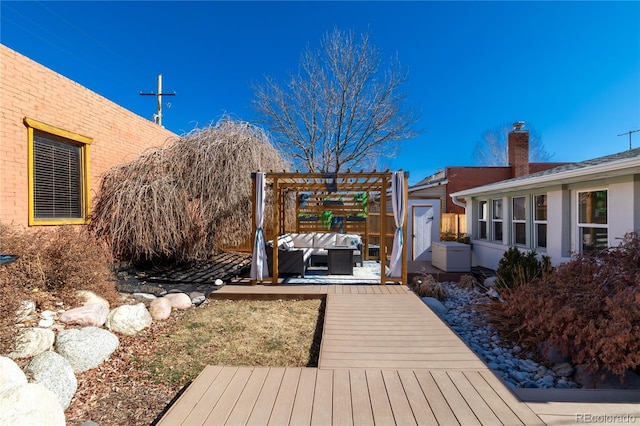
x=259 y=268
x=397 y=201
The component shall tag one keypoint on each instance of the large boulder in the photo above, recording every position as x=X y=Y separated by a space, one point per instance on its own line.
x=87 y=347
x=129 y=319
x=160 y=308
x=89 y=315
x=10 y=374
x=32 y=341
x=30 y=404
x=179 y=300
x=55 y=373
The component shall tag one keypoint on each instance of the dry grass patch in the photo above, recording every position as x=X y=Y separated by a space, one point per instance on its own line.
x=136 y=384
x=280 y=333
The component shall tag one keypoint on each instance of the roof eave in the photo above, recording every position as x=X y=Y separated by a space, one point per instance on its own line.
x=601 y=171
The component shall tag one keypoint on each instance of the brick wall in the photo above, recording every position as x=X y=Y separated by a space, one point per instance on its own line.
x=461 y=178
x=30 y=90
x=518 y=145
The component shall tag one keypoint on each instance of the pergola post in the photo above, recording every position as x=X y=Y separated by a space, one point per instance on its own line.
x=383 y=231
x=405 y=251
x=276 y=230
x=253 y=211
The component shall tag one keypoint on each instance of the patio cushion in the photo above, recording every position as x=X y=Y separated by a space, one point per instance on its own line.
x=302 y=240
x=351 y=240
x=324 y=240
x=285 y=242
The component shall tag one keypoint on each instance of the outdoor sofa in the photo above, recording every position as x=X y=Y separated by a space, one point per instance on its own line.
x=298 y=251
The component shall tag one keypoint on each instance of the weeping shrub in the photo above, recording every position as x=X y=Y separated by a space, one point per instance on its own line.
x=187 y=200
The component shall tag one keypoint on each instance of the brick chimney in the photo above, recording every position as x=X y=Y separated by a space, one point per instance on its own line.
x=518 y=146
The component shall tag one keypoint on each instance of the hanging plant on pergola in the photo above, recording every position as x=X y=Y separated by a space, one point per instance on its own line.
x=358 y=186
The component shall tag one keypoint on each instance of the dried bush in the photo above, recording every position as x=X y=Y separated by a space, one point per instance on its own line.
x=186 y=200
x=53 y=264
x=517 y=268
x=424 y=285
x=589 y=308
x=469 y=282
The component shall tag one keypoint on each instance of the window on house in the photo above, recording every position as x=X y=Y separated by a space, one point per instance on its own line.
x=482 y=220
x=519 y=220
x=58 y=175
x=497 y=216
x=540 y=221
x=592 y=220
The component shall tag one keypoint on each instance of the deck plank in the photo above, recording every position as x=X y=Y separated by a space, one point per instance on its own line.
x=474 y=400
x=441 y=409
x=267 y=397
x=382 y=413
x=526 y=415
x=462 y=411
x=420 y=407
x=322 y=399
x=303 y=403
x=499 y=407
x=242 y=410
x=362 y=414
x=342 y=409
x=281 y=414
x=209 y=400
x=398 y=400
x=188 y=400
x=230 y=397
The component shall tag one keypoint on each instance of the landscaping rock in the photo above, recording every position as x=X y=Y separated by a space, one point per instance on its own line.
x=179 y=300
x=89 y=315
x=129 y=319
x=87 y=347
x=26 y=308
x=145 y=297
x=197 y=297
x=563 y=370
x=10 y=374
x=160 y=308
x=90 y=297
x=32 y=341
x=435 y=305
x=30 y=404
x=55 y=373
x=490 y=282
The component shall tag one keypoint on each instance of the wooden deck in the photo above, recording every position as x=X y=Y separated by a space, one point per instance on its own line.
x=385 y=359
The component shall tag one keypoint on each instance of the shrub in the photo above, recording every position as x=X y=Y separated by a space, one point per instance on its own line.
x=468 y=282
x=53 y=264
x=589 y=308
x=425 y=285
x=517 y=268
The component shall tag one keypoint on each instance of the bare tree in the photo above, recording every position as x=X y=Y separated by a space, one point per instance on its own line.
x=340 y=110
x=493 y=149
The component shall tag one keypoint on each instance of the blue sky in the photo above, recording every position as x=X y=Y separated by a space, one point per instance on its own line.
x=569 y=69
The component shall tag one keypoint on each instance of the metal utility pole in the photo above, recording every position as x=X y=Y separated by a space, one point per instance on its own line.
x=157 y=118
x=629 y=133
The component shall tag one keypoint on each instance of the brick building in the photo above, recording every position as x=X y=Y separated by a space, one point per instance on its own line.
x=456 y=178
x=432 y=212
x=57 y=138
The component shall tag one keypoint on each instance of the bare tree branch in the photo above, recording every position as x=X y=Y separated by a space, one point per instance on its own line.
x=339 y=111
x=492 y=150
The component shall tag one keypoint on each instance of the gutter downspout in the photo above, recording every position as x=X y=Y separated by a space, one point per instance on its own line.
x=458 y=203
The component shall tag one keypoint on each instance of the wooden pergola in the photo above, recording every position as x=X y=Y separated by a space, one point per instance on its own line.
x=331 y=185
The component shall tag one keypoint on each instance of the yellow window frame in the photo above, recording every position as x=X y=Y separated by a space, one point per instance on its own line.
x=83 y=142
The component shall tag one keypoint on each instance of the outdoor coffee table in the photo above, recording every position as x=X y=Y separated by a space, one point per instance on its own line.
x=340 y=260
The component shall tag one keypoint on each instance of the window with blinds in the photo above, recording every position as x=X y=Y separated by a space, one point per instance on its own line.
x=57 y=169
x=58 y=175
